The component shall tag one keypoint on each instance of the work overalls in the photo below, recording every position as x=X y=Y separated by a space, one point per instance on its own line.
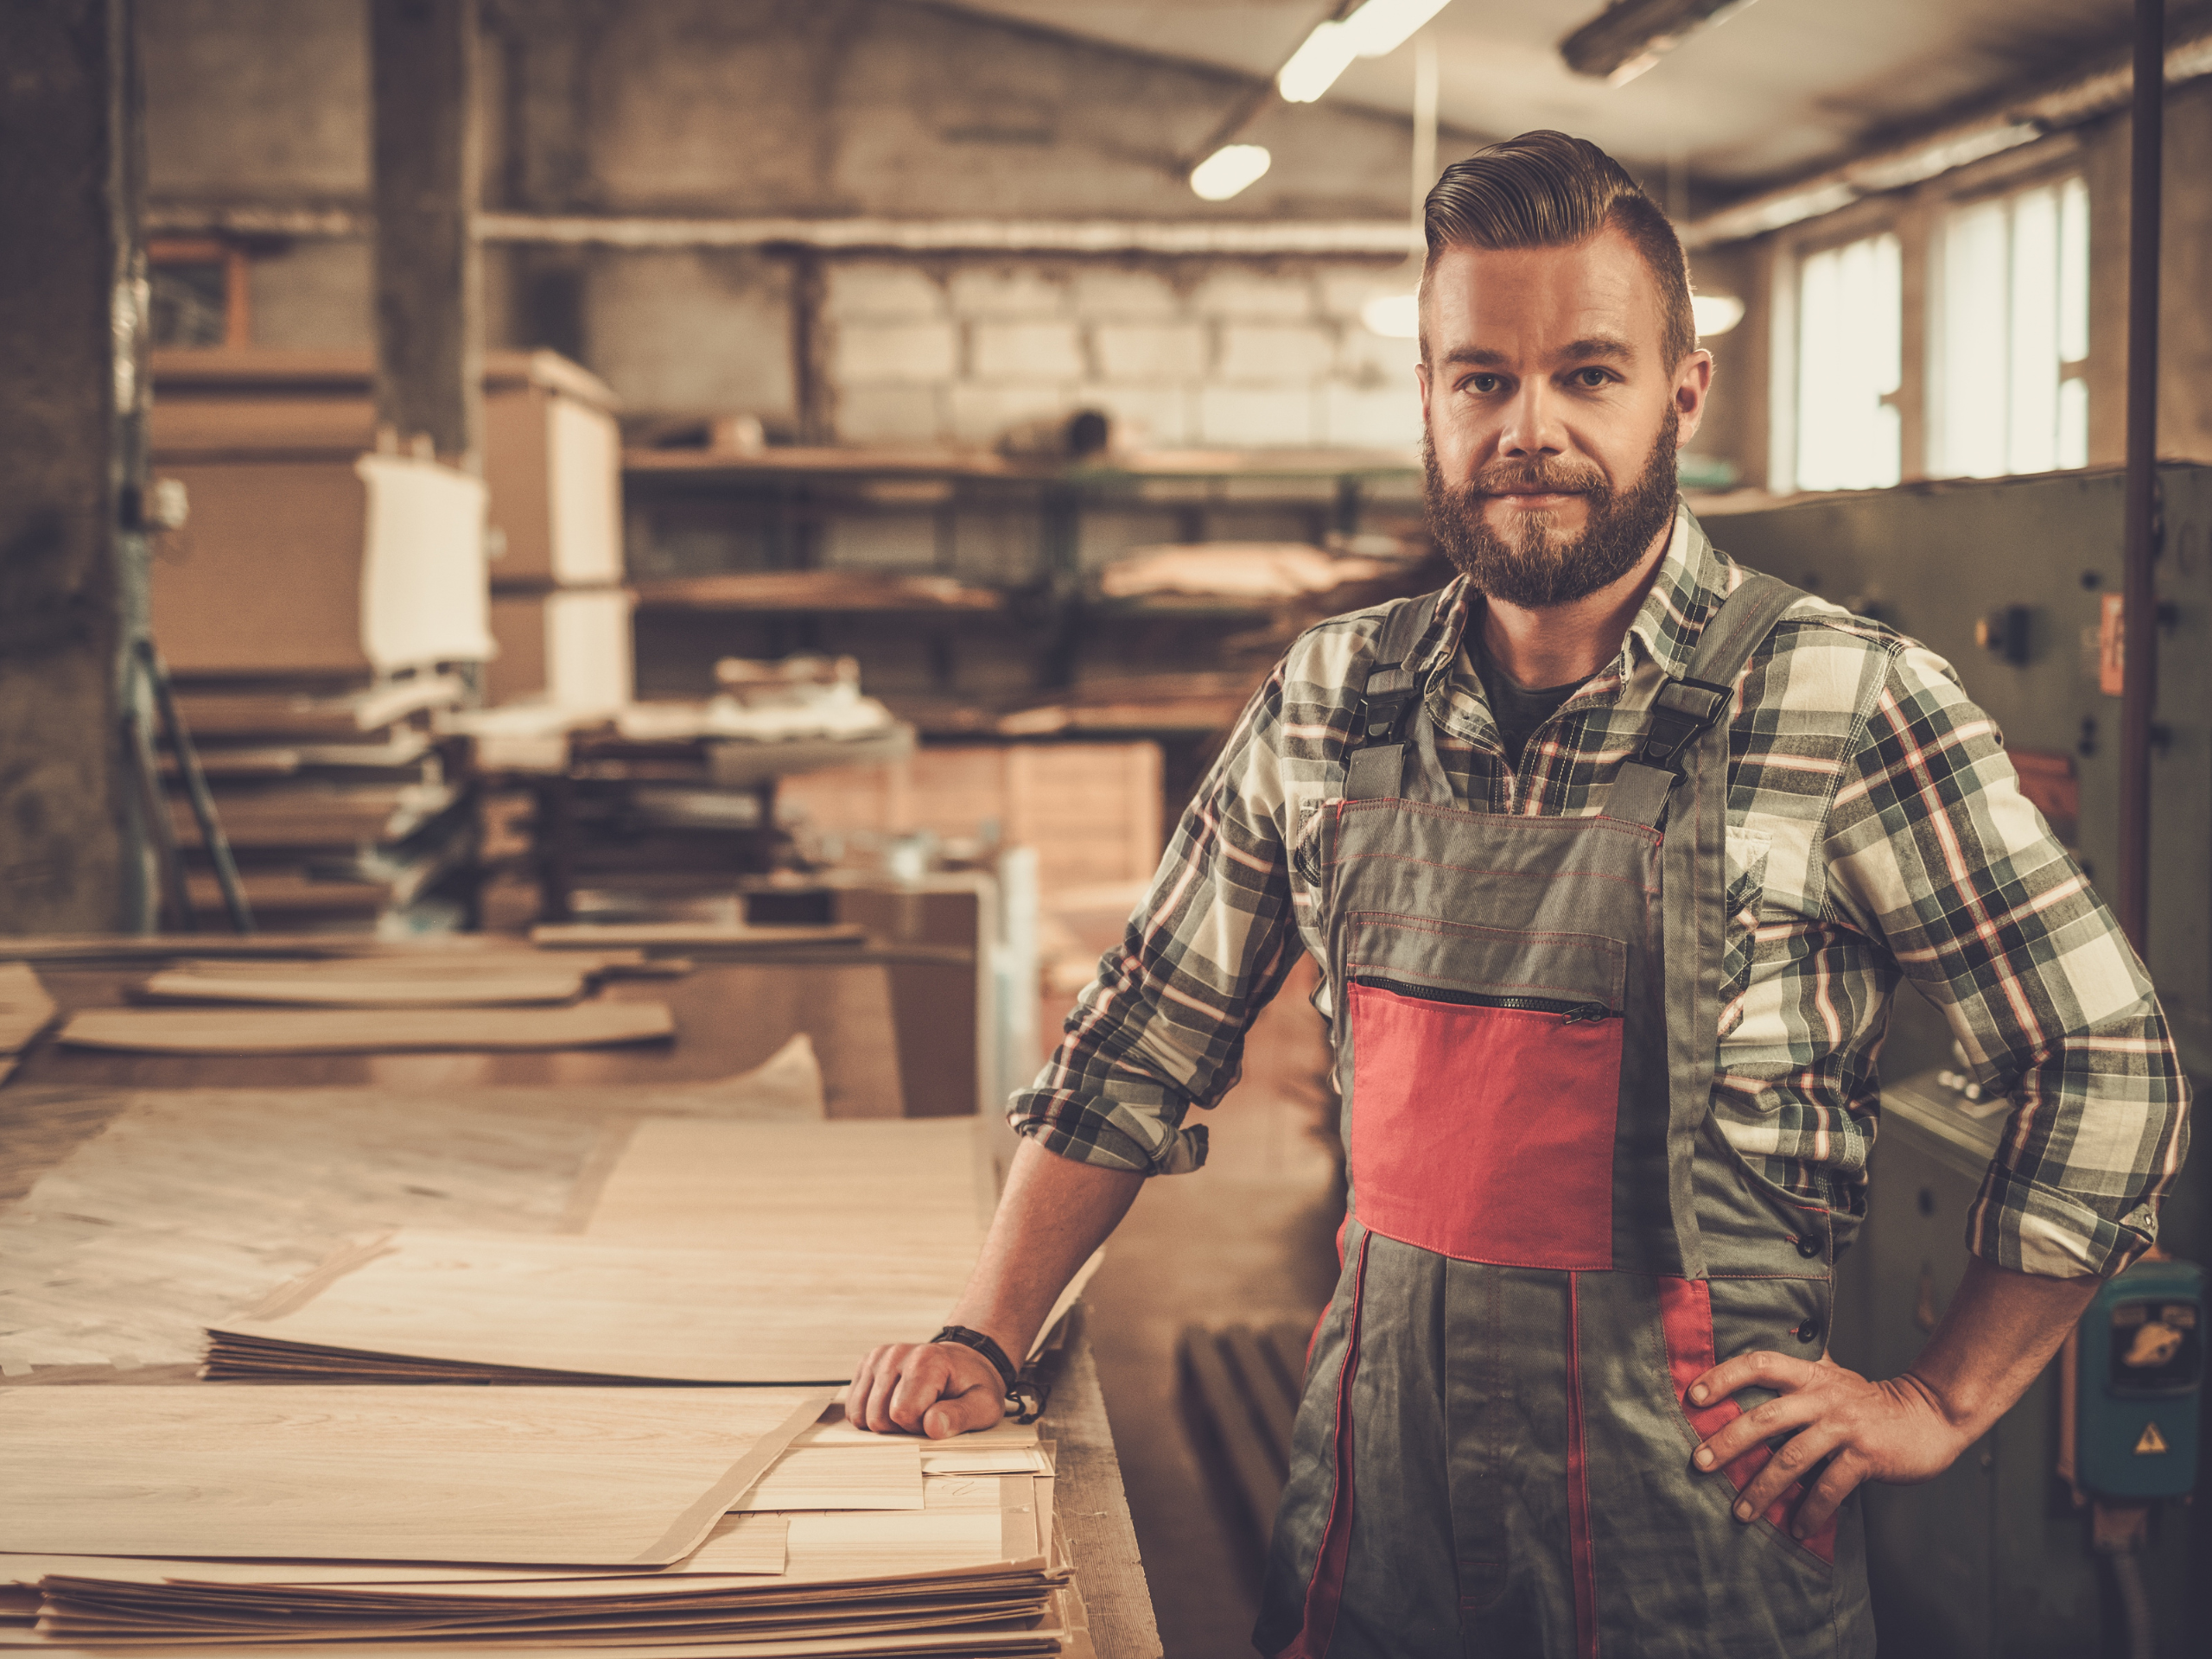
x=1549 y=1238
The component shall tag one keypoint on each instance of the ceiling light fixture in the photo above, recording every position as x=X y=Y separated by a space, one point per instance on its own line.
x=1376 y=30
x=1229 y=170
x=1715 y=313
x=1630 y=35
x=1397 y=316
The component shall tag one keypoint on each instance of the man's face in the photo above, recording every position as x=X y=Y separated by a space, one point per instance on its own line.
x=1553 y=416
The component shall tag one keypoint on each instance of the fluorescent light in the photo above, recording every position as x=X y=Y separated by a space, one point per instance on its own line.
x=1394 y=317
x=1314 y=68
x=1383 y=26
x=1715 y=313
x=1228 y=170
x=1376 y=30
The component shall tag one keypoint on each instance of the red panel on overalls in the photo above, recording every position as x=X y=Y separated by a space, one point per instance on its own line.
x=1485 y=1133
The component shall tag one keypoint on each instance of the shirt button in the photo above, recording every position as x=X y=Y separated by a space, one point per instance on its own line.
x=1809 y=1244
x=1809 y=1331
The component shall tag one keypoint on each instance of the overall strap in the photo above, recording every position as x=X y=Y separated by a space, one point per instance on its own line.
x=1685 y=708
x=1375 y=764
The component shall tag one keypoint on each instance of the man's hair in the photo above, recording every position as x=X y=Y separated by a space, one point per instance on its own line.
x=1546 y=190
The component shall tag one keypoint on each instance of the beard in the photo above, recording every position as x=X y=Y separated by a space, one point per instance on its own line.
x=1541 y=566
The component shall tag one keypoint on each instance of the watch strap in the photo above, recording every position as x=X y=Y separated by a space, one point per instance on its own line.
x=989 y=1349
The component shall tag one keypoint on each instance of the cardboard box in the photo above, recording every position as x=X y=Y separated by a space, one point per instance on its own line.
x=552 y=455
x=569 y=647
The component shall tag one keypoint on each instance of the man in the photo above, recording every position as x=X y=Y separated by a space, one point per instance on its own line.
x=1613 y=853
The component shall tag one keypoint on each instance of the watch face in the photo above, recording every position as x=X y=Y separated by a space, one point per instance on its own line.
x=2158 y=1347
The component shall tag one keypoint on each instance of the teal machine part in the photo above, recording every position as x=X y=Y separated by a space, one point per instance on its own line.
x=2011 y=581
x=2138 y=1378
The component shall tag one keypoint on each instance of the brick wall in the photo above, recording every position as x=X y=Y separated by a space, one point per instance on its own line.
x=1185 y=353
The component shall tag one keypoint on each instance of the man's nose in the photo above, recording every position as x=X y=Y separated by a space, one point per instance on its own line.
x=1531 y=429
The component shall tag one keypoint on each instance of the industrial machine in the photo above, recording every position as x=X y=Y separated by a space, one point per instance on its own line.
x=2063 y=1532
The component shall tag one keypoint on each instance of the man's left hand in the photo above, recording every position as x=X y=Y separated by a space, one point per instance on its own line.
x=1895 y=1431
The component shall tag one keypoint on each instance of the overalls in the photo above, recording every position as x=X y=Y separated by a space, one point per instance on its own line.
x=1548 y=1237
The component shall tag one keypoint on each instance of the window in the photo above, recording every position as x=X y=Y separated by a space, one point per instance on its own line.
x=1850 y=364
x=2011 y=332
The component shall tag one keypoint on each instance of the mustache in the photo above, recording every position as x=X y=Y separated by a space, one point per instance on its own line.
x=1536 y=478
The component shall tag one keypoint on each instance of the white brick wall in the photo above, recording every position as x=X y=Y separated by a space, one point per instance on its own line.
x=946 y=351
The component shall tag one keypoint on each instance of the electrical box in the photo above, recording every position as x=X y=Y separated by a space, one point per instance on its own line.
x=2138 y=1378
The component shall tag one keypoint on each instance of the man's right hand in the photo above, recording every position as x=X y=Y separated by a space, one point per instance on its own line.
x=936 y=1388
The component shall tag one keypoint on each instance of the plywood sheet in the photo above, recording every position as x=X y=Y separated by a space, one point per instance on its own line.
x=184 y=1205
x=570 y=1477
x=501 y=1306
x=496 y=987
x=343 y=1030
x=742 y=1185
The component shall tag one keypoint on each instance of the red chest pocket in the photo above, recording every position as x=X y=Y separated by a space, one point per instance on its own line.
x=1483 y=1121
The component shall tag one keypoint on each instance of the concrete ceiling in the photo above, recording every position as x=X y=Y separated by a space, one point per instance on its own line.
x=1777 y=90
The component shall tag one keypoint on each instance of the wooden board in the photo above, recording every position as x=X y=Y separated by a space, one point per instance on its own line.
x=546 y=1476
x=25 y=1011
x=504 y=1307
x=566 y=935
x=363 y=1030
x=496 y=987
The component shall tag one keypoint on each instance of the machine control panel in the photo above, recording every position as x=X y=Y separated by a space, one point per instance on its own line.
x=2141 y=1378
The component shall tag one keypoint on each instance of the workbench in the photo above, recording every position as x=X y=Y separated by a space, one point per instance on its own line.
x=526 y=1147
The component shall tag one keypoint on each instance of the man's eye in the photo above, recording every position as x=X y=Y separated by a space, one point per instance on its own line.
x=1591 y=378
x=1482 y=384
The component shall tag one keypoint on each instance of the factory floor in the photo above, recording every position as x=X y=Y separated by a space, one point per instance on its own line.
x=1248 y=1239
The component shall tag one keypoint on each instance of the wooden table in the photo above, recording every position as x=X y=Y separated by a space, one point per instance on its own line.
x=526 y=1152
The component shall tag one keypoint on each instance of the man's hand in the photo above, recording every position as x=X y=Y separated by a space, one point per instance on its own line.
x=1896 y=1430
x=2000 y=1331
x=936 y=1388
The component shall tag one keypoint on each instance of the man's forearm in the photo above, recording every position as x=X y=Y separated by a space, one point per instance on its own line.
x=1996 y=1337
x=1054 y=1212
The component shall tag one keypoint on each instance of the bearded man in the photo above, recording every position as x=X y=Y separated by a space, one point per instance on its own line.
x=1611 y=853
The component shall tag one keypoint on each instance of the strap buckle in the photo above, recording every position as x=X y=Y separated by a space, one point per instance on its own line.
x=1388 y=693
x=1682 y=709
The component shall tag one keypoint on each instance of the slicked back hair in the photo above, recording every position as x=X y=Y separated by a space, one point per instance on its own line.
x=1544 y=189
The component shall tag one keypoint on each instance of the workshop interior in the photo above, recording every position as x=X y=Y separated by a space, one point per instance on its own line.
x=599 y=598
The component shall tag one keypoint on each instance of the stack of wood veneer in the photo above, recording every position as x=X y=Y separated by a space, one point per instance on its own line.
x=342 y=808
x=433 y=1520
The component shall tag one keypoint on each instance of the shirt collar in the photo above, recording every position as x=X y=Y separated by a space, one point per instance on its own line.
x=1693 y=578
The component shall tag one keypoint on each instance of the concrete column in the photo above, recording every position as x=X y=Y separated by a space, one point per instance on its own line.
x=429 y=272
x=73 y=464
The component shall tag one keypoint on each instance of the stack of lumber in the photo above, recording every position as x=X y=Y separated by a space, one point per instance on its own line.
x=338 y=802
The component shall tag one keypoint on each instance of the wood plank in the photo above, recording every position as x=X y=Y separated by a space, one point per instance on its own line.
x=595 y=936
x=493 y=989
x=363 y=1030
x=580 y=1476
x=496 y=1305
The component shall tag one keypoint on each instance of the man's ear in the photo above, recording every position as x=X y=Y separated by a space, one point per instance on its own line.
x=1692 y=386
x=1420 y=373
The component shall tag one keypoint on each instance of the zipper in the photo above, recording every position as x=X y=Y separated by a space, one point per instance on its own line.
x=1571 y=1013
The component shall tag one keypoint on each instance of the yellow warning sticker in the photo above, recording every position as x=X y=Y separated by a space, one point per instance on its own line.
x=2151 y=1443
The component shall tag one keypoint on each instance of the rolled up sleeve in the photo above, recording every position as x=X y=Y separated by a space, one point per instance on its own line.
x=1932 y=848
x=1161 y=1028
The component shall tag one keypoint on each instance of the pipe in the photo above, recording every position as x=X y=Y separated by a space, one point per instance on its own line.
x=2134 y=1606
x=2139 y=617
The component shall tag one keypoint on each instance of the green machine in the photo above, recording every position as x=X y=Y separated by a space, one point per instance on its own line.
x=2054 y=1535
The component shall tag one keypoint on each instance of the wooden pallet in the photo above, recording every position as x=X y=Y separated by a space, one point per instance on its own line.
x=1244 y=1384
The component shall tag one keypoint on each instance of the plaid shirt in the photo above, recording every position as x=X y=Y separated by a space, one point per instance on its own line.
x=1875 y=830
